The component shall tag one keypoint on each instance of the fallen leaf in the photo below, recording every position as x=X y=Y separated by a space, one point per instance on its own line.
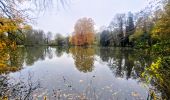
x=81 y=81
x=135 y=94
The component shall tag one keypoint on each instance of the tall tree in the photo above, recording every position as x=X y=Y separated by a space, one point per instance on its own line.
x=130 y=29
x=59 y=39
x=118 y=25
x=162 y=26
x=49 y=36
x=104 y=38
x=84 y=33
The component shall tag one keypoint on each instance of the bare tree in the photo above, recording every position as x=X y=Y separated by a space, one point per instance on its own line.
x=12 y=8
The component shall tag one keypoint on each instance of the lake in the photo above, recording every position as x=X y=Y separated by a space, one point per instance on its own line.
x=78 y=73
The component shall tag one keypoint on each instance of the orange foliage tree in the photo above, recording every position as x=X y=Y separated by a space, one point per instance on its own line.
x=83 y=32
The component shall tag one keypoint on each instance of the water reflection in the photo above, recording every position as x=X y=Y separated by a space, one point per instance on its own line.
x=60 y=50
x=124 y=63
x=83 y=58
x=34 y=54
x=11 y=60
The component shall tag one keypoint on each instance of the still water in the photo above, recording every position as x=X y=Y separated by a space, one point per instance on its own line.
x=77 y=73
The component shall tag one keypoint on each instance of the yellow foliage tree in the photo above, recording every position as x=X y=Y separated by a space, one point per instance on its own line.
x=8 y=29
x=162 y=26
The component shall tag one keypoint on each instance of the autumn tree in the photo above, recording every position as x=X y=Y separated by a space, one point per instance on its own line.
x=8 y=30
x=13 y=15
x=13 y=22
x=161 y=29
x=84 y=33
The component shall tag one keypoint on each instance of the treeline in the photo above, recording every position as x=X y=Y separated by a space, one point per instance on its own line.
x=84 y=34
x=147 y=28
x=33 y=37
x=118 y=32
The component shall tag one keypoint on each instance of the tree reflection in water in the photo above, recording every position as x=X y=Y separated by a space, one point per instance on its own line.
x=34 y=54
x=61 y=50
x=124 y=63
x=84 y=58
x=11 y=60
x=141 y=65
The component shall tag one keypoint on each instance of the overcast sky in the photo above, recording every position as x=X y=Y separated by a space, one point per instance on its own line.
x=62 y=20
